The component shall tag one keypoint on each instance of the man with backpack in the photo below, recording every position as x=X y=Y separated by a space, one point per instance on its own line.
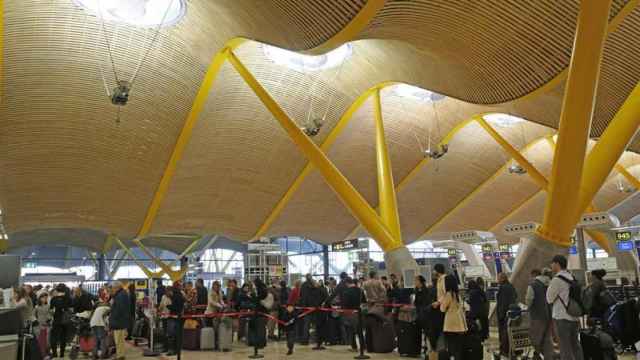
x=564 y=295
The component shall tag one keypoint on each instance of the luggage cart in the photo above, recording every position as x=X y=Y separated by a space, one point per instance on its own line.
x=518 y=332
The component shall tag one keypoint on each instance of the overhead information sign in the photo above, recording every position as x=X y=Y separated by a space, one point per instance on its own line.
x=345 y=245
x=452 y=252
x=624 y=236
x=625 y=245
x=487 y=248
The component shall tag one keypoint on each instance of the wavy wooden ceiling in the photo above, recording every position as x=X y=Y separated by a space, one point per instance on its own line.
x=67 y=164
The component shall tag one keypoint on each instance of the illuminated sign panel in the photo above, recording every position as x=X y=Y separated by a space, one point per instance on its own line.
x=345 y=245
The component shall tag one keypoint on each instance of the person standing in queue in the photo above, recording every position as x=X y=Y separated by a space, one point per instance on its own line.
x=132 y=309
x=176 y=310
x=317 y=297
x=423 y=298
x=455 y=324
x=119 y=318
x=478 y=308
x=60 y=304
x=436 y=336
x=567 y=326
x=505 y=297
x=202 y=295
x=305 y=301
x=539 y=314
x=257 y=323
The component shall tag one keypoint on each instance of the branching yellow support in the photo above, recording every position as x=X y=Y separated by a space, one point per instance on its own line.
x=386 y=190
x=334 y=178
x=174 y=275
x=628 y=176
x=575 y=122
x=605 y=154
x=150 y=274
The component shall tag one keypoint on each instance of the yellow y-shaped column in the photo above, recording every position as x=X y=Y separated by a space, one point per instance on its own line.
x=575 y=122
x=354 y=201
x=150 y=274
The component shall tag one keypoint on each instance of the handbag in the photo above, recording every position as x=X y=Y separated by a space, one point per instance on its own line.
x=267 y=302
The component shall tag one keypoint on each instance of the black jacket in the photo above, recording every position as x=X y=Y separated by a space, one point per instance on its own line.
x=598 y=308
x=120 y=316
x=82 y=303
x=305 y=294
x=336 y=297
x=506 y=297
x=352 y=298
x=478 y=304
x=316 y=296
x=202 y=297
x=290 y=319
x=177 y=303
x=59 y=304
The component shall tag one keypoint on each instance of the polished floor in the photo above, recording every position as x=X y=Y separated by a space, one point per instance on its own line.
x=278 y=350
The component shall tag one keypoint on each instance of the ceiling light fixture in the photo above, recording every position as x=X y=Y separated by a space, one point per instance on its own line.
x=141 y=13
x=517 y=169
x=502 y=120
x=416 y=93
x=305 y=63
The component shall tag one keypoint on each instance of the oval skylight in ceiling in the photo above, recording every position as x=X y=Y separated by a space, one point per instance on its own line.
x=304 y=63
x=141 y=13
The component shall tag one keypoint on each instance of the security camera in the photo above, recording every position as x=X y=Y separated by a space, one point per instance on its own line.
x=120 y=94
x=313 y=128
x=626 y=189
x=517 y=169
x=436 y=153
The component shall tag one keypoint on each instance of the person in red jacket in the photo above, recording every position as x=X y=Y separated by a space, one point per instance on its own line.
x=294 y=295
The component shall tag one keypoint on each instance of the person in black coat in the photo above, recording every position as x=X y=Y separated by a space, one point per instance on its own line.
x=352 y=298
x=506 y=297
x=176 y=310
x=132 y=309
x=317 y=296
x=60 y=303
x=119 y=318
x=423 y=298
x=289 y=317
x=478 y=308
x=258 y=323
x=305 y=301
x=202 y=294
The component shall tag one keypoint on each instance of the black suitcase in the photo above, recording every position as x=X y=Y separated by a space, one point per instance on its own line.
x=191 y=339
x=593 y=349
x=473 y=349
x=380 y=337
x=31 y=349
x=409 y=339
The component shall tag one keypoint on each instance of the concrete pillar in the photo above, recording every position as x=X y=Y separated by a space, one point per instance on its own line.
x=398 y=260
x=534 y=253
x=473 y=257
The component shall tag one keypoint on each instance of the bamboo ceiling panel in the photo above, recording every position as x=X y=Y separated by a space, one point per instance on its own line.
x=66 y=161
x=499 y=196
x=628 y=209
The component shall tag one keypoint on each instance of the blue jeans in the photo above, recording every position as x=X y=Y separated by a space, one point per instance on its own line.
x=101 y=340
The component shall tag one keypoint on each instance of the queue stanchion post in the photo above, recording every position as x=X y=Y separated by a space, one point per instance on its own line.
x=361 y=355
x=179 y=337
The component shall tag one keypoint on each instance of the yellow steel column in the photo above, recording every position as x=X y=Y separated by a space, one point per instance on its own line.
x=334 y=178
x=150 y=274
x=575 y=122
x=627 y=175
x=386 y=192
x=536 y=176
x=604 y=155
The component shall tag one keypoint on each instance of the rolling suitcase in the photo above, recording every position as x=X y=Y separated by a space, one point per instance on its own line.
x=473 y=349
x=225 y=334
x=593 y=346
x=87 y=343
x=43 y=340
x=409 y=339
x=191 y=339
x=207 y=338
x=380 y=337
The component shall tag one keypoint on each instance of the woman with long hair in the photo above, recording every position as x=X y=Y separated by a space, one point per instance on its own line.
x=455 y=324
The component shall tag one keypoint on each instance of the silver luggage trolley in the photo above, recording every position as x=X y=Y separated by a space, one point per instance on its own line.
x=518 y=332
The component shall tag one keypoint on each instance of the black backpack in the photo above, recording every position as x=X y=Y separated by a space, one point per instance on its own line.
x=574 y=306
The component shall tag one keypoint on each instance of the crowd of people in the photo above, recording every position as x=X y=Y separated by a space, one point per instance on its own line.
x=324 y=312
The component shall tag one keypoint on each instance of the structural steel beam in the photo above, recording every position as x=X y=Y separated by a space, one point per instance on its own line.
x=386 y=191
x=479 y=188
x=562 y=76
x=575 y=122
x=338 y=182
x=174 y=275
x=422 y=163
x=185 y=134
x=328 y=142
x=628 y=176
x=352 y=29
x=612 y=144
x=150 y=274
x=535 y=175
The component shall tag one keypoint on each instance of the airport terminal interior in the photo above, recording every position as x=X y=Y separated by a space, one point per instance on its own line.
x=230 y=179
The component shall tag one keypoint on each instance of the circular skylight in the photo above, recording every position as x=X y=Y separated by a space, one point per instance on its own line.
x=304 y=63
x=416 y=93
x=502 y=120
x=142 y=13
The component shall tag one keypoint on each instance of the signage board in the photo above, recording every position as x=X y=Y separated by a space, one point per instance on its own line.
x=487 y=248
x=263 y=247
x=474 y=271
x=345 y=245
x=625 y=245
x=624 y=235
x=573 y=250
x=452 y=252
x=487 y=256
x=504 y=248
